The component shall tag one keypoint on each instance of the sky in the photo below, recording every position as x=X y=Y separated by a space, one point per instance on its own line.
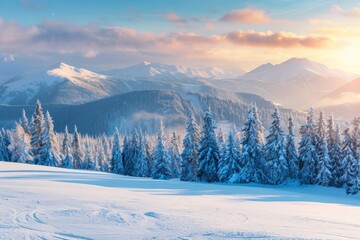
x=231 y=34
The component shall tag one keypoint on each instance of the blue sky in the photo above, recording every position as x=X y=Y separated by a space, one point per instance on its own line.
x=226 y=33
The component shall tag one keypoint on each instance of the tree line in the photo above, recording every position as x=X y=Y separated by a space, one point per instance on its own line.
x=323 y=156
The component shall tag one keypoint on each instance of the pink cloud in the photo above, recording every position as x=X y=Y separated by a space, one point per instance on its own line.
x=353 y=13
x=174 y=18
x=247 y=15
x=276 y=39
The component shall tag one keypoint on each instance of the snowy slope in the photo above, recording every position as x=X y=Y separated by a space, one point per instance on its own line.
x=296 y=83
x=62 y=84
x=296 y=69
x=160 y=71
x=50 y=203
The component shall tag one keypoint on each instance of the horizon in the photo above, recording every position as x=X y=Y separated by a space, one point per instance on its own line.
x=229 y=35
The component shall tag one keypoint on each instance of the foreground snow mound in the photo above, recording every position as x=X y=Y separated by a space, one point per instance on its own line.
x=51 y=203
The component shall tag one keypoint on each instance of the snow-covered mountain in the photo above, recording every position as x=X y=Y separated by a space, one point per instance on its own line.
x=296 y=83
x=295 y=70
x=147 y=70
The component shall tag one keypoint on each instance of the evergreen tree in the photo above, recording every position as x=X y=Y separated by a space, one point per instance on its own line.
x=49 y=152
x=229 y=167
x=116 y=161
x=20 y=147
x=5 y=153
x=37 y=132
x=25 y=122
x=189 y=155
x=175 y=158
x=161 y=160
x=187 y=158
x=142 y=164
x=67 y=161
x=78 y=154
x=101 y=159
x=149 y=158
x=221 y=144
x=356 y=135
x=89 y=162
x=308 y=151
x=291 y=152
x=346 y=159
x=126 y=156
x=353 y=173
x=335 y=155
x=252 y=162
x=324 y=175
x=274 y=152
x=133 y=153
x=209 y=154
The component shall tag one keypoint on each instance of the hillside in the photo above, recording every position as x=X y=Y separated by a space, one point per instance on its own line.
x=52 y=203
x=145 y=109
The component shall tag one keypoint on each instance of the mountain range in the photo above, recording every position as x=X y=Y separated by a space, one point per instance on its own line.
x=127 y=97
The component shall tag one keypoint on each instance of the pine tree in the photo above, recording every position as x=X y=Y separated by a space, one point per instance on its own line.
x=346 y=159
x=78 y=154
x=161 y=159
x=324 y=175
x=149 y=158
x=89 y=162
x=187 y=158
x=221 y=144
x=5 y=153
x=291 y=152
x=189 y=155
x=353 y=173
x=67 y=161
x=229 y=169
x=276 y=167
x=308 y=151
x=116 y=161
x=356 y=135
x=25 y=122
x=101 y=159
x=132 y=154
x=20 y=147
x=142 y=164
x=49 y=152
x=175 y=158
x=335 y=154
x=209 y=154
x=252 y=162
x=37 y=132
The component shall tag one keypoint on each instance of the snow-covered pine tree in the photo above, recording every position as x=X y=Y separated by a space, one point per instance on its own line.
x=189 y=162
x=101 y=158
x=20 y=147
x=116 y=161
x=252 y=162
x=37 y=132
x=308 y=151
x=356 y=135
x=49 y=152
x=346 y=159
x=78 y=153
x=126 y=154
x=67 y=161
x=25 y=122
x=161 y=159
x=149 y=158
x=229 y=168
x=324 y=175
x=276 y=167
x=142 y=164
x=89 y=161
x=174 y=154
x=209 y=153
x=187 y=158
x=133 y=153
x=353 y=173
x=291 y=152
x=221 y=144
x=335 y=154
x=5 y=153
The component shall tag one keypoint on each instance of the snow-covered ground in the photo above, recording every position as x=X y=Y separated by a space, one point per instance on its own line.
x=51 y=203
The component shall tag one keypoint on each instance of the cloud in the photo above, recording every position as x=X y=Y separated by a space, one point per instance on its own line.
x=90 y=54
x=276 y=39
x=33 y=4
x=353 y=13
x=247 y=15
x=174 y=18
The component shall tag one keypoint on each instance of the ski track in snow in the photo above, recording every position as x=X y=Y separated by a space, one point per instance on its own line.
x=51 y=203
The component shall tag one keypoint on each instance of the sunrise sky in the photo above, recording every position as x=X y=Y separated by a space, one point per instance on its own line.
x=226 y=33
